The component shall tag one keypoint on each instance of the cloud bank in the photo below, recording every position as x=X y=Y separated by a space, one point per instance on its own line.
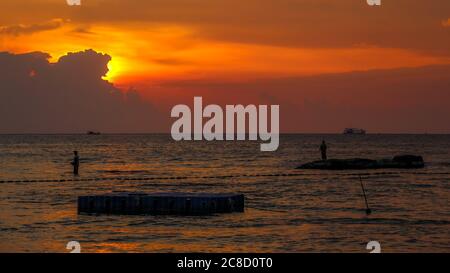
x=21 y=29
x=403 y=100
x=68 y=96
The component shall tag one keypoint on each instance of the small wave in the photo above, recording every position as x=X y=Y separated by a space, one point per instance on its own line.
x=125 y=171
x=176 y=159
x=363 y=220
x=8 y=229
x=423 y=186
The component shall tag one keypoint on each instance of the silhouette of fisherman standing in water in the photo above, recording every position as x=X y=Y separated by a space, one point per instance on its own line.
x=323 y=150
x=76 y=162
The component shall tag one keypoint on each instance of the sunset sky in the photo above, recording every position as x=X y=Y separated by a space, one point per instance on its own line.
x=329 y=64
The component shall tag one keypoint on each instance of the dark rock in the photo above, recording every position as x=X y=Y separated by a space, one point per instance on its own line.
x=398 y=162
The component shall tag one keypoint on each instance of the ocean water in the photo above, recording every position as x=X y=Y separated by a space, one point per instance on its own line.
x=309 y=211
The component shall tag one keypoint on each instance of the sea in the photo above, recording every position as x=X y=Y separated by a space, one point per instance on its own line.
x=286 y=209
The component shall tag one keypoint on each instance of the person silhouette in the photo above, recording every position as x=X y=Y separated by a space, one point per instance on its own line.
x=75 y=162
x=323 y=150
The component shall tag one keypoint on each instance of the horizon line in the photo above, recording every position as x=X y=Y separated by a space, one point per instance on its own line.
x=285 y=133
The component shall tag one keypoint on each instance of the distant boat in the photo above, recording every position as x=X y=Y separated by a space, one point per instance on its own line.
x=354 y=131
x=93 y=133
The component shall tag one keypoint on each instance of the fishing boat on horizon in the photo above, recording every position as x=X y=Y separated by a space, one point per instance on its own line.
x=354 y=131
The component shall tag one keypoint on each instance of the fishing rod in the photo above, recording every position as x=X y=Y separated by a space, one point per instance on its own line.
x=368 y=210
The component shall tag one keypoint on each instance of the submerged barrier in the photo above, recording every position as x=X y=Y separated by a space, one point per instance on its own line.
x=161 y=203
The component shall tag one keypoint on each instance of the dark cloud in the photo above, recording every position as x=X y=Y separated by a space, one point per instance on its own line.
x=404 y=100
x=30 y=29
x=171 y=61
x=69 y=96
x=82 y=30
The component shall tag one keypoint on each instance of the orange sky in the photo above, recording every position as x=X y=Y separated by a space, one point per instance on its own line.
x=159 y=40
x=153 y=43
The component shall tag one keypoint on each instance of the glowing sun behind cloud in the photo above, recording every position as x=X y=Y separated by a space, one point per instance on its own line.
x=160 y=52
x=115 y=68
